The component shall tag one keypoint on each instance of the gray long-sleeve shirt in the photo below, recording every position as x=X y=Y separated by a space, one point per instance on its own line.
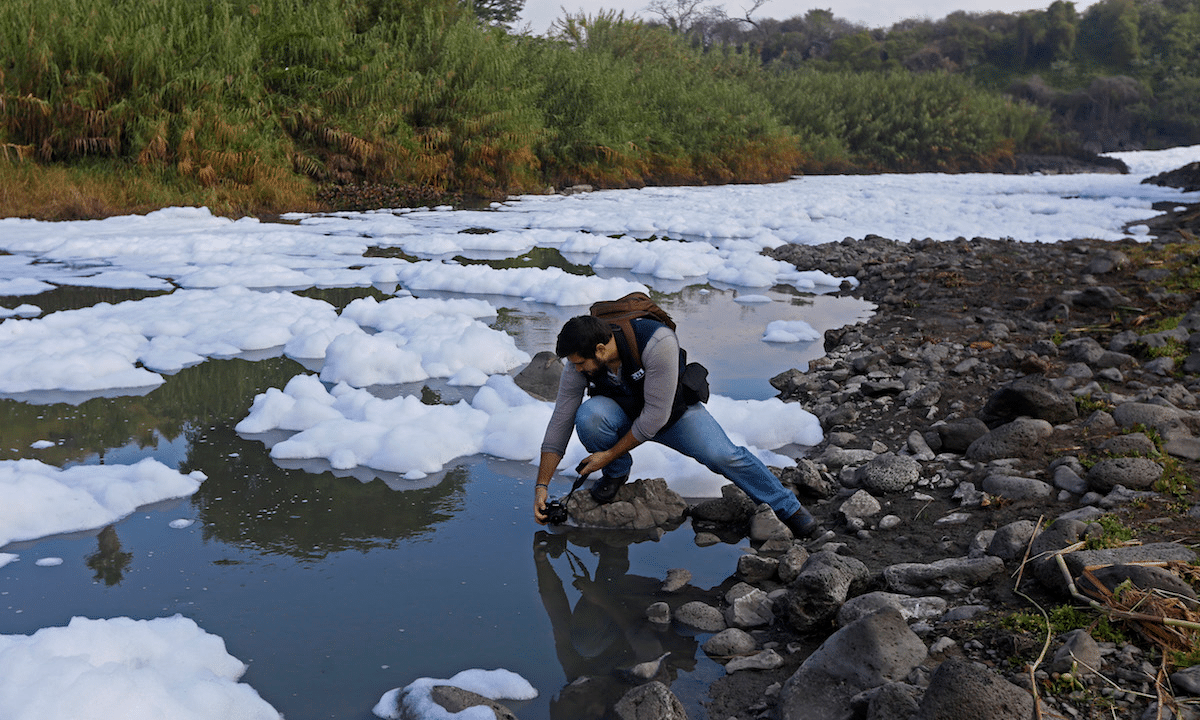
x=660 y=359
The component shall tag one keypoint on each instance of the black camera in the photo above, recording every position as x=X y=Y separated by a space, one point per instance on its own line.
x=555 y=512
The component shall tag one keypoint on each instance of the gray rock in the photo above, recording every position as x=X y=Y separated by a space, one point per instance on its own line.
x=1065 y=478
x=791 y=562
x=734 y=507
x=765 y=660
x=454 y=700
x=1185 y=447
x=1121 y=496
x=1130 y=444
x=912 y=608
x=1085 y=514
x=1030 y=396
x=1017 y=488
x=806 y=479
x=919 y=447
x=1143 y=577
x=860 y=505
x=1187 y=680
x=1160 y=366
x=729 y=643
x=820 y=588
x=1085 y=350
x=639 y=505
x=836 y=457
x=964 y=612
x=765 y=524
x=924 y=397
x=893 y=701
x=888 y=473
x=874 y=651
x=1015 y=439
x=1100 y=423
x=540 y=377
x=700 y=616
x=1169 y=422
x=752 y=609
x=958 y=435
x=756 y=568
x=1132 y=472
x=1010 y=541
x=652 y=701
x=1049 y=574
x=919 y=578
x=1079 y=654
x=1099 y=296
x=961 y=689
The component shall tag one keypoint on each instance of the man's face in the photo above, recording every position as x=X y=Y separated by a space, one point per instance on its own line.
x=592 y=364
x=582 y=364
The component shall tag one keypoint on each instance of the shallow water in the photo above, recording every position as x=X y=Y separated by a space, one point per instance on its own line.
x=336 y=587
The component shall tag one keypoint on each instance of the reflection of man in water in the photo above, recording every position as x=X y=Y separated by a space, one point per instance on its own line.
x=606 y=631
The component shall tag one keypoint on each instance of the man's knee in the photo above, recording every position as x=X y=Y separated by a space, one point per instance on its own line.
x=598 y=415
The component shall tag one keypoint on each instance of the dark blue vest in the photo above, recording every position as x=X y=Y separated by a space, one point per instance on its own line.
x=629 y=393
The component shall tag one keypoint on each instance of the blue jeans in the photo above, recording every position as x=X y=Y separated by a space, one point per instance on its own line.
x=600 y=423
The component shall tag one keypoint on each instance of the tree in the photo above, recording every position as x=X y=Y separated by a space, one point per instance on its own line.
x=496 y=12
x=680 y=15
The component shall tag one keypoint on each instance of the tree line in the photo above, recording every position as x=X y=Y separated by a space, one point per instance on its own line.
x=1123 y=74
x=260 y=106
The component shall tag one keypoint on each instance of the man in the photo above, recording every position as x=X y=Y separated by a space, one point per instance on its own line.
x=629 y=406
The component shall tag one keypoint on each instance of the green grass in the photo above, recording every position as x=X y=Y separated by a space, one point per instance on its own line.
x=249 y=105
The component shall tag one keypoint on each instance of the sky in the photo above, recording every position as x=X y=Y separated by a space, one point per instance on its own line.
x=232 y=286
x=540 y=14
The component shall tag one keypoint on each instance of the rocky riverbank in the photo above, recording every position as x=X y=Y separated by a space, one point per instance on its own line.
x=1007 y=488
x=1006 y=402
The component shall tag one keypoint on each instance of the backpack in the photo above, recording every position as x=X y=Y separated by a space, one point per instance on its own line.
x=621 y=312
x=693 y=376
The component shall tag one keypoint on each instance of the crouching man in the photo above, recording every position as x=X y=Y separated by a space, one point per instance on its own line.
x=630 y=403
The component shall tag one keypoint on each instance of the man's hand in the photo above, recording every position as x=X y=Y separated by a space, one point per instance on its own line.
x=540 y=492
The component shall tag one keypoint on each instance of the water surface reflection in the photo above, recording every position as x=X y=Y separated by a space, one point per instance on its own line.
x=336 y=589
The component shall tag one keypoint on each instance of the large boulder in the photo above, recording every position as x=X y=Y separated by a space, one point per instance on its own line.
x=1030 y=396
x=870 y=652
x=1016 y=439
x=639 y=505
x=820 y=588
x=961 y=689
x=540 y=377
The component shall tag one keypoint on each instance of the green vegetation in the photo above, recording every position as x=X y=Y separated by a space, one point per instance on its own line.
x=261 y=106
x=1112 y=533
x=1065 y=618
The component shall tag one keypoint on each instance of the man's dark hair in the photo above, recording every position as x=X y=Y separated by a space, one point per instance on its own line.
x=580 y=336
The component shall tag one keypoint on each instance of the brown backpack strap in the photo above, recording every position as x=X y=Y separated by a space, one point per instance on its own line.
x=626 y=327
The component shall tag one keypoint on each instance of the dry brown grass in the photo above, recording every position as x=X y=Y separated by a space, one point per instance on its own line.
x=57 y=192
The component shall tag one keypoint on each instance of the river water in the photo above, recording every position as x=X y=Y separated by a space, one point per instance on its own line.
x=336 y=587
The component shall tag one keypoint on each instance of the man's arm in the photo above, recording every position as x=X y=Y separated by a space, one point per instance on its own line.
x=547 y=465
x=660 y=358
